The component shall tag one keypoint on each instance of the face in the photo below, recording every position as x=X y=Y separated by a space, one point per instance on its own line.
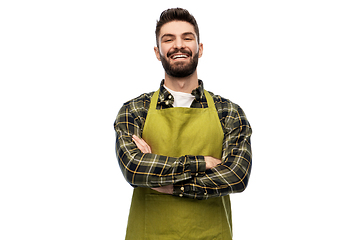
x=178 y=49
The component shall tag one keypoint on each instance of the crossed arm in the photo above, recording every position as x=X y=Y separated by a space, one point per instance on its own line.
x=198 y=177
x=169 y=189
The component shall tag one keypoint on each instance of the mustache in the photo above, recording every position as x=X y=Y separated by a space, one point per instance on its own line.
x=179 y=51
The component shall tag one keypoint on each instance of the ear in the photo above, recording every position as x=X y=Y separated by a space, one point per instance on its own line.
x=201 y=49
x=157 y=53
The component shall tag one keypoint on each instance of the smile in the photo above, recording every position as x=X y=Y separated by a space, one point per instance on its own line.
x=179 y=56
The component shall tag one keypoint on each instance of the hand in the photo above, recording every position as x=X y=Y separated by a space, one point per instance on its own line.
x=211 y=162
x=169 y=189
x=141 y=144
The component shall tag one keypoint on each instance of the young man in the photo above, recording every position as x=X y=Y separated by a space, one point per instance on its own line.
x=183 y=149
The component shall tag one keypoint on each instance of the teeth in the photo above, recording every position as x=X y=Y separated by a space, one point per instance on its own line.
x=179 y=56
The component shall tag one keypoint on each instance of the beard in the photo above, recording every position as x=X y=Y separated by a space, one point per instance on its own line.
x=180 y=69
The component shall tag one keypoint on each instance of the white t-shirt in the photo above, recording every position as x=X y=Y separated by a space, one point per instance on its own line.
x=181 y=99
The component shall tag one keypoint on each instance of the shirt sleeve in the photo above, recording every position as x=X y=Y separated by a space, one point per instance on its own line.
x=232 y=175
x=148 y=170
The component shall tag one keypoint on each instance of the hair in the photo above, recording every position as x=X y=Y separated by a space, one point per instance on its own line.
x=175 y=14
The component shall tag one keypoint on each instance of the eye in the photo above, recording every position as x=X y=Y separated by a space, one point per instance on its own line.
x=188 y=38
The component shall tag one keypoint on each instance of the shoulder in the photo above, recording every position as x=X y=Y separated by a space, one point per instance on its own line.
x=225 y=105
x=229 y=112
x=134 y=108
x=138 y=103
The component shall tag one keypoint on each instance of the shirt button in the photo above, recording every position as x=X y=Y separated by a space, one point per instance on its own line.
x=182 y=188
x=180 y=195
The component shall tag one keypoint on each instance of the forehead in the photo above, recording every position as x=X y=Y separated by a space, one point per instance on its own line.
x=176 y=28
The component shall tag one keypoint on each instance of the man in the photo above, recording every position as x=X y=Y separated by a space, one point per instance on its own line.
x=183 y=149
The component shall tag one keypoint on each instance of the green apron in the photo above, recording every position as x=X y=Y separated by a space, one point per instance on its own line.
x=177 y=132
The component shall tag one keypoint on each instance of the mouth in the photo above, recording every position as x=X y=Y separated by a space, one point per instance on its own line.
x=179 y=56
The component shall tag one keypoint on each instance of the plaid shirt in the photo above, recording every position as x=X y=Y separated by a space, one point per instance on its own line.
x=186 y=173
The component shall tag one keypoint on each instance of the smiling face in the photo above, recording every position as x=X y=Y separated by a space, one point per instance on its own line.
x=178 y=49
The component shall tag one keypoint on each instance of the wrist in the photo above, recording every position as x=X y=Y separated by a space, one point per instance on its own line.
x=197 y=165
x=179 y=190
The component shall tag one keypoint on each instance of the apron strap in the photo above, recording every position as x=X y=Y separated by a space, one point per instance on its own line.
x=154 y=99
x=210 y=100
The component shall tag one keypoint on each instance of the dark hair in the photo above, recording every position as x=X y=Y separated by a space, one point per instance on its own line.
x=175 y=14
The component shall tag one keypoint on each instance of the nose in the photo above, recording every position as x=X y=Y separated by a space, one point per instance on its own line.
x=179 y=43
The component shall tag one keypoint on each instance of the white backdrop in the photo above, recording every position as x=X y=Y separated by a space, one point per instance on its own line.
x=68 y=66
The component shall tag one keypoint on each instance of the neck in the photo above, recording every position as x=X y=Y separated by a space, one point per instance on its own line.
x=186 y=85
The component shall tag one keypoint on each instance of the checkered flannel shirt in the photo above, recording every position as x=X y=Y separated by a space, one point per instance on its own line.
x=186 y=173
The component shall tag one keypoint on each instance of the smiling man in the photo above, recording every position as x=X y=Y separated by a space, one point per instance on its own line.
x=184 y=59
x=182 y=148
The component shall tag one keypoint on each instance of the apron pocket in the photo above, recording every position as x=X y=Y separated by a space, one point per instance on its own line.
x=168 y=217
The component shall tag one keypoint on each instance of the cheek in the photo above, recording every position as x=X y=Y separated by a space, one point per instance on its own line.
x=194 y=48
x=163 y=51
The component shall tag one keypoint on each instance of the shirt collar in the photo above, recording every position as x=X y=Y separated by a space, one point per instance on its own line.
x=168 y=99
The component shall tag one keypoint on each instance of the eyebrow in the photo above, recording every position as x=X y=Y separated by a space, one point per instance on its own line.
x=188 y=33
x=172 y=35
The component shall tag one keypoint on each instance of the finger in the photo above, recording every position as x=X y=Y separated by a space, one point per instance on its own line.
x=135 y=138
x=138 y=143
x=165 y=189
x=141 y=144
x=144 y=144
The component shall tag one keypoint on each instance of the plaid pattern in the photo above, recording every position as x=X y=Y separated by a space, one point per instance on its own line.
x=186 y=173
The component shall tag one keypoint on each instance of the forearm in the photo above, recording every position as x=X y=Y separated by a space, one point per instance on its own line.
x=151 y=170
x=231 y=176
x=213 y=184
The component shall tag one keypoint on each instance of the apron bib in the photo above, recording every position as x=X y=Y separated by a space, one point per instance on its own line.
x=176 y=132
